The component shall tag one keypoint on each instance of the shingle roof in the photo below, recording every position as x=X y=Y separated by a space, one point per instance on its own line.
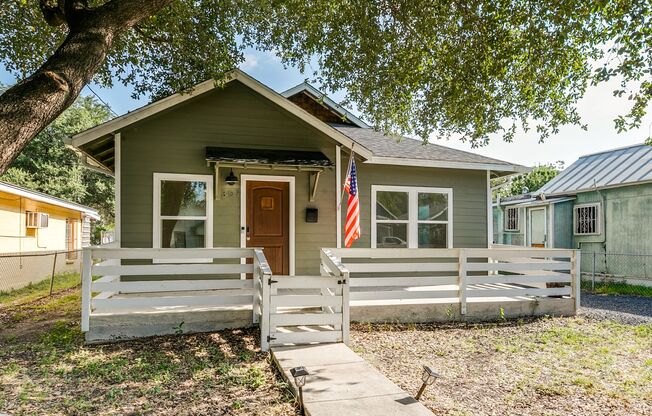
x=623 y=166
x=382 y=145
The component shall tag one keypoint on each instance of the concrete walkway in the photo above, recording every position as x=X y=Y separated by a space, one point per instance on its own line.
x=342 y=383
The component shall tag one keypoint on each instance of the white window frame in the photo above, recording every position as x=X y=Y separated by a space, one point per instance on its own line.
x=413 y=212
x=518 y=219
x=598 y=219
x=157 y=218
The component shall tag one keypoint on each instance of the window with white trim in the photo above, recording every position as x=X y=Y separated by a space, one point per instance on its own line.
x=586 y=219
x=411 y=217
x=511 y=219
x=183 y=211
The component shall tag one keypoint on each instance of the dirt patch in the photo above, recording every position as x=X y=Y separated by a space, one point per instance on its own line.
x=46 y=369
x=26 y=321
x=549 y=366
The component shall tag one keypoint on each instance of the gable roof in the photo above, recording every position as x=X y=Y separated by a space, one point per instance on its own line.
x=319 y=96
x=612 y=168
x=373 y=146
x=48 y=199
x=113 y=126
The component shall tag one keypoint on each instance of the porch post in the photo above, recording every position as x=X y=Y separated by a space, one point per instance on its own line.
x=338 y=194
x=345 y=308
x=257 y=286
x=264 y=319
x=577 y=278
x=86 y=289
x=462 y=281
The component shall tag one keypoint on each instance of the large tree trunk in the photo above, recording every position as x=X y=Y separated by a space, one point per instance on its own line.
x=32 y=104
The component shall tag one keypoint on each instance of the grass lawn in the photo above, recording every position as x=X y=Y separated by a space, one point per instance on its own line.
x=617 y=288
x=550 y=366
x=46 y=369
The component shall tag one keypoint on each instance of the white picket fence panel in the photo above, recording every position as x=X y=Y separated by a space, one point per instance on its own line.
x=216 y=279
x=304 y=310
x=461 y=274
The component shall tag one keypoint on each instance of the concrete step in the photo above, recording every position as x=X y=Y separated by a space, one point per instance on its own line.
x=342 y=383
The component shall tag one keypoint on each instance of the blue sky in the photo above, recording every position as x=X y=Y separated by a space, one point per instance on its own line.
x=598 y=110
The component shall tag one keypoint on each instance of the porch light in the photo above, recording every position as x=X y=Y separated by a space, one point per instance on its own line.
x=299 y=374
x=231 y=179
x=427 y=378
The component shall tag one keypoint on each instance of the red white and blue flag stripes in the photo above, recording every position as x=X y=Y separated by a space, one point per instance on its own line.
x=352 y=226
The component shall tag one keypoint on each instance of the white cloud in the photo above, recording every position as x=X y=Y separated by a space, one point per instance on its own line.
x=251 y=61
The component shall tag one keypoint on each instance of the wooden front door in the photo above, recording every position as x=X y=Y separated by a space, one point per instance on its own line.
x=268 y=222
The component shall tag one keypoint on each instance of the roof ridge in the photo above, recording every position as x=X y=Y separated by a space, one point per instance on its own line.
x=613 y=150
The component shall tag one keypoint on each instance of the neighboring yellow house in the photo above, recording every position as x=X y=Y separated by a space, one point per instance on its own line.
x=34 y=226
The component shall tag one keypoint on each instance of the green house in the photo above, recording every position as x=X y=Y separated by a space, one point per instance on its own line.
x=240 y=165
x=601 y=204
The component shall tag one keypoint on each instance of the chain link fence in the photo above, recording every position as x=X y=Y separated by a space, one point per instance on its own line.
x=18 y=270
x=617 y=273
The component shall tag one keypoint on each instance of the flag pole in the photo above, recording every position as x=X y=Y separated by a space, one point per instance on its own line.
x=348 y=171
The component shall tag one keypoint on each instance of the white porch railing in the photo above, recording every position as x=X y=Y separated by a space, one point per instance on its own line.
x=213 y=282
x=306 y=309
x=457 y=274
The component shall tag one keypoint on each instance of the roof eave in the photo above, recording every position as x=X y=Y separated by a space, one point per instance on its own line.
x=47 y=199
x=496 y=167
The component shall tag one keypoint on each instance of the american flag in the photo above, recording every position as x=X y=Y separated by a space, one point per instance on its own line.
x=352 y=227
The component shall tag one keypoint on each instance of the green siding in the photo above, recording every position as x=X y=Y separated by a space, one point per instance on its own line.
x=563 y=224
x=627 y=220
x=174 y=142
x=469 y=197
x=502 y=236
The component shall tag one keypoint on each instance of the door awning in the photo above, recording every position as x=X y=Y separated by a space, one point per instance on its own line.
x=241 y=157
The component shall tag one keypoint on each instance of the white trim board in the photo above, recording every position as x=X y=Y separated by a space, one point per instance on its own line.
x=428 y=163
x=413 y=214
x=338 y=195
x=117 y=178
x=529 y=211
x=292 y=220
x=156 y=210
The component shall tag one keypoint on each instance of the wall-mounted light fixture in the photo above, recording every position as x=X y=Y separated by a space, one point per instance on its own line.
x=231 y=179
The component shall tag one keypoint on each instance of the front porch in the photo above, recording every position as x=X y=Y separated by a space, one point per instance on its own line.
x=135 y=295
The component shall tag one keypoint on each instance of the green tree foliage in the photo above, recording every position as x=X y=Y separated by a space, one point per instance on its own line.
x=529 y=182
x=47 y=165
x=464 y=69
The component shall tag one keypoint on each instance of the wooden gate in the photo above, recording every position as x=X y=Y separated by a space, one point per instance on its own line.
x=304 y=310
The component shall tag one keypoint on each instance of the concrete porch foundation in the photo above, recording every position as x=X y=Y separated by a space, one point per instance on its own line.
x=443 y=310
x=123 y=325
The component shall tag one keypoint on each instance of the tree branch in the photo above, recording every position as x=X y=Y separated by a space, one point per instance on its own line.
x=32 y=104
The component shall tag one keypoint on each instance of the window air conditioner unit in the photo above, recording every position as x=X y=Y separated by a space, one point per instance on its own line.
x=37 y=219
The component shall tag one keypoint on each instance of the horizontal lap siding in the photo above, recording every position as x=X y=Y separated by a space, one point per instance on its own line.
x=175 y=142
x=469 y=197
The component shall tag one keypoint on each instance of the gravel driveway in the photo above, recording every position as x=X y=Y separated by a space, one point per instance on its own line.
x=631 y=310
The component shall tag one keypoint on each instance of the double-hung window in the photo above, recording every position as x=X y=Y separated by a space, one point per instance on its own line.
x=586 y=219
x=183 y=211
x=411 y=217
